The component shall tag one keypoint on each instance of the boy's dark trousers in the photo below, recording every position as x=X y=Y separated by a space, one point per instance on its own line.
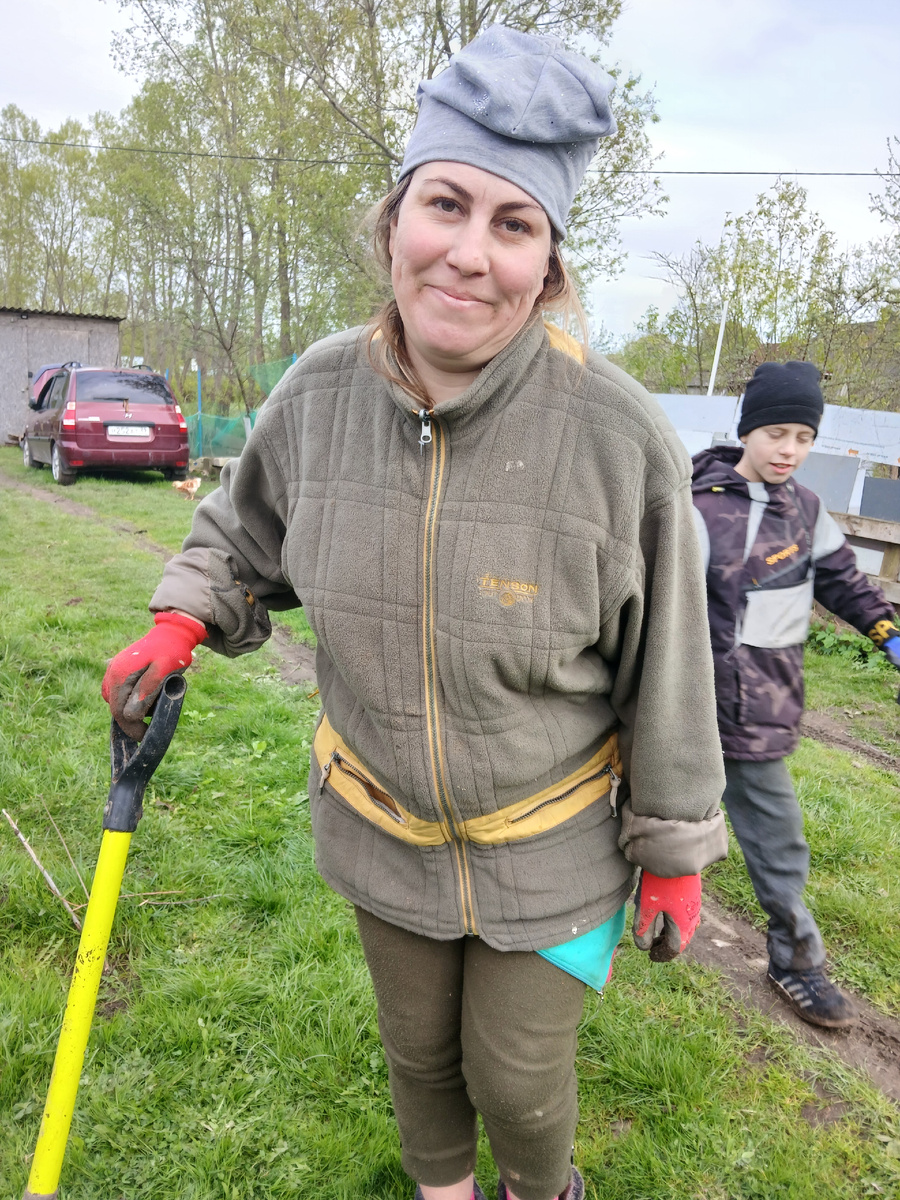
x=768 y=824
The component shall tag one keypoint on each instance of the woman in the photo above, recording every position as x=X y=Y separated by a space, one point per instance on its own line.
x=492 y=538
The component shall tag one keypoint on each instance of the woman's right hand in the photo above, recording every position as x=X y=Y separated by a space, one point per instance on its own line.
x=135 y=676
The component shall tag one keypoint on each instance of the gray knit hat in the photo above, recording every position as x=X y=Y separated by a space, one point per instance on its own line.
x=520 y=106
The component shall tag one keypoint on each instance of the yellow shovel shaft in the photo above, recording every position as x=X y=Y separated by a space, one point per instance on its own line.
x=76 y=1027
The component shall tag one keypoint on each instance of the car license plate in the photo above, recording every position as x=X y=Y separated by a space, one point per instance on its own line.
x=128 y=431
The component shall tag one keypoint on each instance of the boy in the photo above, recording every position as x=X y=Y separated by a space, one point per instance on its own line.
x=770 y=549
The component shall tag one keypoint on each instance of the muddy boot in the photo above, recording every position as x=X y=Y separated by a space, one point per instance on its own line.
x=575 y=1190
x=478 y=1194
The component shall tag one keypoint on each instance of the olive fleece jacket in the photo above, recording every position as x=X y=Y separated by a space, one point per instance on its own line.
x=494 y=609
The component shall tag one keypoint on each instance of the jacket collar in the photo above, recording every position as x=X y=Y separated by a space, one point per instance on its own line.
x=495 y=383
x=714 y=469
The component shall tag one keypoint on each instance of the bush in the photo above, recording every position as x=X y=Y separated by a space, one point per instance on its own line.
x=826 y=638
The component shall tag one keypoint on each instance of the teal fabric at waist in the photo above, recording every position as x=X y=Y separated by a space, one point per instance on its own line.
x=589 y=957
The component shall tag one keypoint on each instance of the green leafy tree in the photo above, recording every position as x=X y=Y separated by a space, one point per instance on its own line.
x=20 y=247
x=223 y=217
x=790 y=294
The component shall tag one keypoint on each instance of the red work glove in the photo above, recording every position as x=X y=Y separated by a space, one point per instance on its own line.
x=666 y=914
x=135 y=676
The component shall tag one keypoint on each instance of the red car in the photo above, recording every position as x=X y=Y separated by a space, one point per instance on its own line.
x=106 y=419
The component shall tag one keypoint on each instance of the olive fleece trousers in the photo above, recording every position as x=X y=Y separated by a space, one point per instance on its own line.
x=469 y=1030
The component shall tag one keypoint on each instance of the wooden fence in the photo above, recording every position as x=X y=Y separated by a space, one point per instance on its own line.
x=877 y=544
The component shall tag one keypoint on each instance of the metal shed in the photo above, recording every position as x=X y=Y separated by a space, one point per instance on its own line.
x=850 y=440
x=30 y=338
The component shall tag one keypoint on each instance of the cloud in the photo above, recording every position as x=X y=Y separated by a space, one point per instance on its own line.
x=55 y=60
x=790 y=85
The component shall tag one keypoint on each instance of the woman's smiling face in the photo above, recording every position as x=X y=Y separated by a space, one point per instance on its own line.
x=469 y=255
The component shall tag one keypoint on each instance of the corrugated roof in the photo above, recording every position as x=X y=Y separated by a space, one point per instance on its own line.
x=44 y=312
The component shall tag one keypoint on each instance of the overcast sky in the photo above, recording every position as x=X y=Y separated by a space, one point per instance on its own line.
x=772 y=85
x=767 y=85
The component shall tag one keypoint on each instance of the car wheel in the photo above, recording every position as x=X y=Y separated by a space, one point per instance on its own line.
x=61 y=473
x=27 y=457
x=175 y=473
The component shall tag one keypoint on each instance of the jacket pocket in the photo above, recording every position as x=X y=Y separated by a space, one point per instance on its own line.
x=368 y=787
x=554 y=805
x=770 y=686
x=607 y=775
x=344 y=780
x=777 y=617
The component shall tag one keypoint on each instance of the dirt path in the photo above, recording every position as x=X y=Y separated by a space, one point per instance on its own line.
x=732 y=946
x=825 y=728
x=65 y=504
x=297 y=662
x=724 y=941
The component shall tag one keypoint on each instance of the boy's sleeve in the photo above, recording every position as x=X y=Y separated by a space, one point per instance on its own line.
x=842 y=588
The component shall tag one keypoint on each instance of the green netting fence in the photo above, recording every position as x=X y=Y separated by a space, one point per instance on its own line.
x=213 y=436
x=268 y=374
x=217 y=437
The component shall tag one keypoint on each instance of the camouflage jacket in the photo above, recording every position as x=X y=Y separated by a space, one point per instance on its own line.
x=770 y=550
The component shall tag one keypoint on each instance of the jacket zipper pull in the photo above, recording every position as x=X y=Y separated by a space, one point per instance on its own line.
x=326 y=771
x=614 y=790
x=425 y=436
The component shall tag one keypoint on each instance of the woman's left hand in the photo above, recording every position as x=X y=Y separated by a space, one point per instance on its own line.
x=666 y=914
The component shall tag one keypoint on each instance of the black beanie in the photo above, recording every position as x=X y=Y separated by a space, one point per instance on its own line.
x=782 y=393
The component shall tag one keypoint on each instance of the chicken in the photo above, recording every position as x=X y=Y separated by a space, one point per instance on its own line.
x=187 y=487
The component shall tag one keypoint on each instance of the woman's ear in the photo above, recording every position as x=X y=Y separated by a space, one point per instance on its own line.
x=392 y=232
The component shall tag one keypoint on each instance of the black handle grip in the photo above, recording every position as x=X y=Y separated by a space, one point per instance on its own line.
x=133 y=763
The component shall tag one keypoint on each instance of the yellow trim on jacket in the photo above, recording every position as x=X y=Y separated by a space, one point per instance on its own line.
x=345 y=774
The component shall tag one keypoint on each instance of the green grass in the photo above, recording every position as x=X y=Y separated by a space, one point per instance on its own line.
x=235 y=1053
x=141 y=498
x=137 y=503
x=862 y=697
x=851 y=821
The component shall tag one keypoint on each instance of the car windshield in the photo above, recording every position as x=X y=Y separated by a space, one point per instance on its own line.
x=111 y=385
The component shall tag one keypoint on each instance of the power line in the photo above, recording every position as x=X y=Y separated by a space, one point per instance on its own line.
x=268 y=158
x=379 y=161
x=792 y=174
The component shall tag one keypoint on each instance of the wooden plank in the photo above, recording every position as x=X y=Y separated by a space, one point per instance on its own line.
x=890 y=564
x=869 y=527
x=891 y=588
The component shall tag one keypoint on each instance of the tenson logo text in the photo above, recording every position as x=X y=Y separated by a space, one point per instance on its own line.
x=507 y=591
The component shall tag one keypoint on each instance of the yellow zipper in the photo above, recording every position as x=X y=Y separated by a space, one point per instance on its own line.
x=376 y=795
x=615 y=780
x=433 y=435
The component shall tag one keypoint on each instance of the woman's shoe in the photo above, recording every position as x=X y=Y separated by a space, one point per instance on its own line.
x=575 y=1190
x=478 y=1194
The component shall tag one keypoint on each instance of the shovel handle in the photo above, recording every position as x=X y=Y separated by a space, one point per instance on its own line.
x=133 y=763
